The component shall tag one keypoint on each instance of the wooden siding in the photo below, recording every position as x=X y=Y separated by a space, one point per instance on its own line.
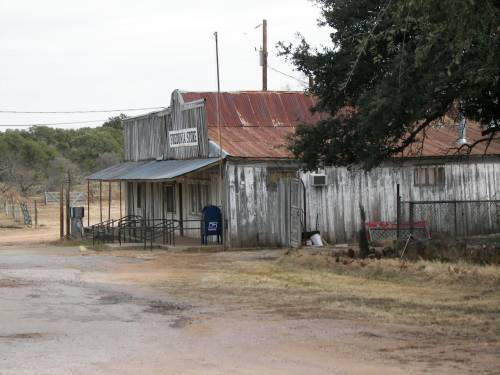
x=258 y=207
x=146 y=137
x=257 y=196
x=336 y=206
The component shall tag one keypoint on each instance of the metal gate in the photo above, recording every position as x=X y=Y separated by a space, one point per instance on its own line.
x=295 y=213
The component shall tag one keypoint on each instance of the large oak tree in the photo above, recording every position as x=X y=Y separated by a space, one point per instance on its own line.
x=393 y=68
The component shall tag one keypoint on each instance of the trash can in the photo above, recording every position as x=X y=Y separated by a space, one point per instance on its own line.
x=211 y=224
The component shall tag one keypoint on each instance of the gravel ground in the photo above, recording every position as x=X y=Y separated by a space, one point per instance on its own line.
x=67 y=312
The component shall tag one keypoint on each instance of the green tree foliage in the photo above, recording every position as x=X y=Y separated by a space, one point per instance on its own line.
x=41 y=156
x=394 y=67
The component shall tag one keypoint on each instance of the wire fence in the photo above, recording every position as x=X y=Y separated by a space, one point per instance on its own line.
x=20 y=211
x=453 y=218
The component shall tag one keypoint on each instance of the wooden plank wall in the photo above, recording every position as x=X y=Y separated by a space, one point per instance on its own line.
x=258 y=207
x=189 y=115
x=146 y=137
x=257 y=197
x=336 y=206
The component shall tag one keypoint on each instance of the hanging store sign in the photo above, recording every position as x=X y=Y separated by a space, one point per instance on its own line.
x=183 y=137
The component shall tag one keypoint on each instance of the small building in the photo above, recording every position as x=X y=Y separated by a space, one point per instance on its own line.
x=174 y=160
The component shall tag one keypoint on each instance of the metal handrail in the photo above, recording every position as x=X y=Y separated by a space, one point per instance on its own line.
x=141 y=229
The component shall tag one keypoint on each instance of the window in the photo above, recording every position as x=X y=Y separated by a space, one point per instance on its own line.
x=139 y=196
x=169 y=198
x=429 y=176
x=199 y=198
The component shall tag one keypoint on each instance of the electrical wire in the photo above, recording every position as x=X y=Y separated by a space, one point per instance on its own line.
x=83 y=111
x=288 y=75
x=52 y=123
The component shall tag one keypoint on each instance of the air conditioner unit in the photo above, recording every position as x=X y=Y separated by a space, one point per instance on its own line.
x=318 y=180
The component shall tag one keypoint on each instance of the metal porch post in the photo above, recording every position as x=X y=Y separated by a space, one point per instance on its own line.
x=100 y=199
x=88 y=203
x=109 y=200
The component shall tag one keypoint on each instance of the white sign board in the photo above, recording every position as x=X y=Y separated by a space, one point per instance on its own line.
x=183 y=137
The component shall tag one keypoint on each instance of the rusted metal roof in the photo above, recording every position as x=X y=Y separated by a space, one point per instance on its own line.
x=256 y=124
x=257 y=108
x=253 y=142
x=443 y=141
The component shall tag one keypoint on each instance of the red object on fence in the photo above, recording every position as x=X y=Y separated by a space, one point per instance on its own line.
x=386 y=226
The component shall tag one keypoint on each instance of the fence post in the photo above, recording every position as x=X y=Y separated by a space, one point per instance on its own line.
x=36 y=216
x=412 y=216
x=398 y=212
x=455 y=219
x=68 y=197
x=61 y=211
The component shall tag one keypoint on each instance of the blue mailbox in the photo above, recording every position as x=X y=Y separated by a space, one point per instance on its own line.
x=211 y=223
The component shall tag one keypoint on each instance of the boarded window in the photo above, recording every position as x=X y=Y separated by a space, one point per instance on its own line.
x=169 y=198
x=429 y=176
x=139 y=196
x=199 y=198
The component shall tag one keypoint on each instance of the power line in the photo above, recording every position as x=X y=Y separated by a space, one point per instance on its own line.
x=52 y=123
x=83 y=111
x=288 y=75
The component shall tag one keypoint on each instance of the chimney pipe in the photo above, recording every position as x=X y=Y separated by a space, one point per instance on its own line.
x=462 y=127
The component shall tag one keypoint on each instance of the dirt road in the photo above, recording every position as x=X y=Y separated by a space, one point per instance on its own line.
x=65 y=311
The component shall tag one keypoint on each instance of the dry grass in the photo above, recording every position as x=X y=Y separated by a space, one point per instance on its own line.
x=456 y=298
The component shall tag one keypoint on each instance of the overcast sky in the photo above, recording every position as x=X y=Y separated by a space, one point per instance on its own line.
x=103 y=54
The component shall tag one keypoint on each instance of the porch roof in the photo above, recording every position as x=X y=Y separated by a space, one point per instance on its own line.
x=151 y=170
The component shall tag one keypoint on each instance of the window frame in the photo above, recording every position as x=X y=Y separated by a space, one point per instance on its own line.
x=429 y=176
x=167 y=202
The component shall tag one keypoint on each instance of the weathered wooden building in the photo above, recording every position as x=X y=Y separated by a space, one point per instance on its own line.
x=172 y=160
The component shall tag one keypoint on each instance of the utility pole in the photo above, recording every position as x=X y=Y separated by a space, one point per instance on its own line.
x=36 y=216
x=221 y=159
x=264 y=55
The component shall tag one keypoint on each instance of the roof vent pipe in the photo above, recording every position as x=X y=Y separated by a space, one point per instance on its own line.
x=462 y=127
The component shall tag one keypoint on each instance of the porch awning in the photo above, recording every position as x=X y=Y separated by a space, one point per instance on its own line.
x=151 y=170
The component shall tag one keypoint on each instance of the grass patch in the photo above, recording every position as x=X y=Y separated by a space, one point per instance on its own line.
x=460 y=298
